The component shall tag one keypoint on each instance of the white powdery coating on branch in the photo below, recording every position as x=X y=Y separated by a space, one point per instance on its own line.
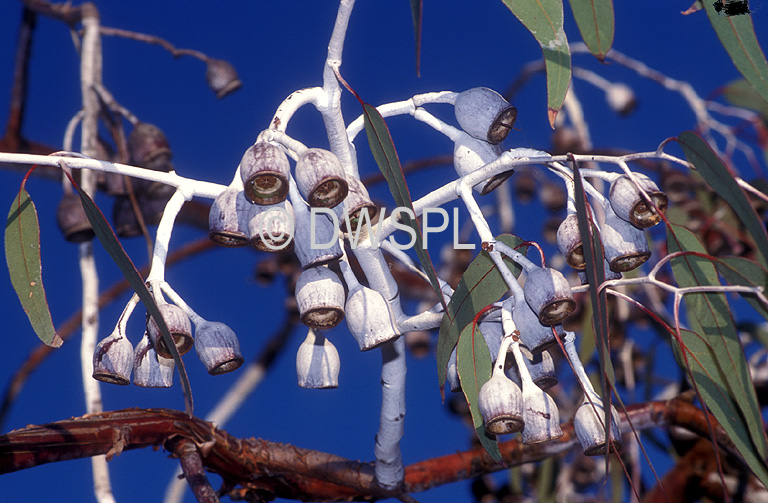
x=389 y=462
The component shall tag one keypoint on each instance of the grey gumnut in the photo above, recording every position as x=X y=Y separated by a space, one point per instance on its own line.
x=549 y=295
x=222 y=77
x=471 y=154
x=316 y=239
x=589 y=424
x=217 y=347
x=533 y=334
x=228 y=219
x=631 y=206
x=454 y=383
x=542 y=419
x=72 y=220
x=317 y=362
x=501 y=404
x=179 y=327
x=626 y=246
x=265 y=172
x=320 y=297
x=369 y=318
x=113 y=359
x=357 y=202
x=321 y=178
x=149 y=148
x=271 y=228
x=569 y=242
x=485 y=114
x=149 y=369
x=541 y=367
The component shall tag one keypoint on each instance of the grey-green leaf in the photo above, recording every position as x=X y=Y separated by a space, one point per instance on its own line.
x=714 y=171
x=737 y=34
x=417 y=7
x=596 y=24
x=22 y=254
x=480 y=285
x=473 y=360
x=544 y=19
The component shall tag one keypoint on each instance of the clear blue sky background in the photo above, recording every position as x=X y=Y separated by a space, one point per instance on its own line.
x=278 y=47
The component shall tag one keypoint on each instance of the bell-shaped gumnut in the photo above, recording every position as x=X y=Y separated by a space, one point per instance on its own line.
x=316 y=239
x=626 y=246
x=218 y=348
x=358 y=207
x=369 y=318
x=265 y=171
x=228 y=219
x=501 y=404
x=549 y=295
x=222 y=77
x=271 y=228
x=317 y=362
x=630 y=205
x=149 y=147
x=73 y=223
x=149 y=369
x=179 y=327
x=113 y=359
x=485 y=114
x=471 y=154
x=320 y=297
x=320 y=178
x=589 y=424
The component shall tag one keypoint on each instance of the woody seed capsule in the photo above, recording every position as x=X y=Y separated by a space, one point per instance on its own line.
x=549 y=295
x=265 y=171
x=149 y=147
x=113 y=359
x=320 y=297
x=217 y=347
x=485 y=114
x=149 y=369
x=471 y=154
x=228 y=219
x=320 y=178
x=626 y=246
x=222 y=77
x=631 y=206
x=72 y=220
x=178 y=325
x=317 y=362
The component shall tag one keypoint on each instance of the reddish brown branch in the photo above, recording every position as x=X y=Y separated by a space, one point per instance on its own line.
x=267 y=469
x=194 y=472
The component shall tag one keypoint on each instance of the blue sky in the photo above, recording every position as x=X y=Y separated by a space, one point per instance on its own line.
x=278 y=47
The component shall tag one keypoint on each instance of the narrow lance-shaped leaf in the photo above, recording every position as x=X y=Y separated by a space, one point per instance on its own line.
x=473 y=360
x=712 y=169
x=386 y=157
x=544 y=19
x=744 y=272
x=737 y=34
x=480 y=285
x=709 y=316
x=115 y=250
x=596 y=24
x=740 y=93
x=417 y=7
x=22 y=254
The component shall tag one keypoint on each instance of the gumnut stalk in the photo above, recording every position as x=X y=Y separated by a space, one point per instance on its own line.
x=228 y=219
x=471 y=154
x=265 y=171
x=549 y=295
x=485 y=114
x=72 y=220
x=320 y=298
x=320 y=178
x=317 y=362
x=222 y=77
x=217 y=347
x=179 y=327
x=630 y=205
x=149 y=369
x=113 y=359
x=500 y=400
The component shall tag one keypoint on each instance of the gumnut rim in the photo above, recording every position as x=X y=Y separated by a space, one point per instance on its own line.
x=179 y=327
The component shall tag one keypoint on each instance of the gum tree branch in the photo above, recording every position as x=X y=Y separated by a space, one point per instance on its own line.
x=260 y=467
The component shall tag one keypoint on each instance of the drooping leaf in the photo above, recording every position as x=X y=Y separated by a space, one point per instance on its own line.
x=480 y=285
x=22 y=254
x=740 y=93
x=712 y=169
x=737 y=34
x=544 y=19
x=473 y=360
x=709 y=316
x=417 y=7
x=386 y=157
x=109 y=241
x=596 y=24
x=744 y=272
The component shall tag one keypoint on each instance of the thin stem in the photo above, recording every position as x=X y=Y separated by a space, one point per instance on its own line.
x=163 y=237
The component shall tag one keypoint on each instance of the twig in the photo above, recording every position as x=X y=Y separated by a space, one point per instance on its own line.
x=194 y=473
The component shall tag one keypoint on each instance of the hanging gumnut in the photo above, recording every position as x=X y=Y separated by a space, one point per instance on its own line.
x=626 y=246
x=549 y=295
x=113 y=359
x=630 y=205
x=265 y=171
x=621 y=98
x=369 y=318
x=316 y=239
x=179 y=327
x=320 y=178
x=217 y=347
x=149 y=369
x=535 y=336
x=222 y=77
x=356 y=203
x=501 y=402
x=271 y=228
x=569 y=242
x=149 y=147
x=228 y=219
x=541 y=367
x=485 y=114
x=589 y=424
x=452 y=375
x=72 y=220
x=317 y=362
x=320 y=297
x=471 y=154
x=542 y=419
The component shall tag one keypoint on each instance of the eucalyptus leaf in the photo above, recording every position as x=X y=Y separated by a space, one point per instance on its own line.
x=596 y=24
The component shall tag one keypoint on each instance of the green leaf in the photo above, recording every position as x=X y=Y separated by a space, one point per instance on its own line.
x=417 y=7
x=596 y=24
x=115 y=250
x=712 y=169
x=737 y=34
x=744 y=272
x=721 y=355
x=480 y=285
x=740 y=93
x=22 y=254
x=384 y=153
x=473 y=360
x=544 y=19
